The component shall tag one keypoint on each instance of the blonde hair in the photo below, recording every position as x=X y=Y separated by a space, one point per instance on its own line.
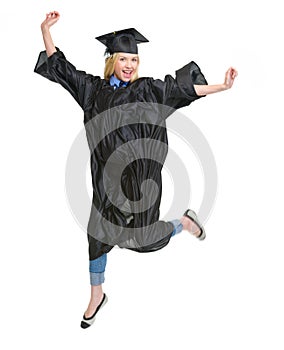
x=110 y=62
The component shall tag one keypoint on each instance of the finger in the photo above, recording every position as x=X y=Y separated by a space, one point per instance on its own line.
x=235 y=73
x=55 y=14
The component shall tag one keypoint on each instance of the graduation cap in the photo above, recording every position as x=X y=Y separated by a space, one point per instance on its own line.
x=125 y=40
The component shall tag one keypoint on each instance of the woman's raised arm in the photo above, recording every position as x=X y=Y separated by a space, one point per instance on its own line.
x=230 y=76
x=50 y=20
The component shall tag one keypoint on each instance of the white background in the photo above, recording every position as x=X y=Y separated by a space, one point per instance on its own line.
x=223 y=293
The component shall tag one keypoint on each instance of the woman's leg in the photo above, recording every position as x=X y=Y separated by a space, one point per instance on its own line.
x=97 y=270
x=95 y=300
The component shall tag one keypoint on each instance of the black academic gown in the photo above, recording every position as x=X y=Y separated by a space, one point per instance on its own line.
x=127 y=137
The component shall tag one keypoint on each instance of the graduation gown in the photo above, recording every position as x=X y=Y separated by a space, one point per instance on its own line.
x=127 y=137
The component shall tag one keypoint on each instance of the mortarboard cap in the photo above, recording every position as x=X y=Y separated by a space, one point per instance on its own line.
x=122 y=41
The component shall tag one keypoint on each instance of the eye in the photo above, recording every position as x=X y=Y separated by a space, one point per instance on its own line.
x=134 y=59
x=122 y=59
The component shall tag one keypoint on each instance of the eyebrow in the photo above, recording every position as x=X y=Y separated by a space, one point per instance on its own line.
x=121 y=56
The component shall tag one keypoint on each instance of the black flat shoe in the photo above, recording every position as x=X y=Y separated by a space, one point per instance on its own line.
x=192 y=216
x=88 y=321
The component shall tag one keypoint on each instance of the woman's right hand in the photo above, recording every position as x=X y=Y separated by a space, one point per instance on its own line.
x=50 y=20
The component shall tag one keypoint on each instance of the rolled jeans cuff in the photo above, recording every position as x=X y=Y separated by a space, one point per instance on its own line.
x=97 y=278
x=177 y=227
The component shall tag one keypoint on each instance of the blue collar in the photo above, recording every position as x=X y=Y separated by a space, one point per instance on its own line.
x=113 y=81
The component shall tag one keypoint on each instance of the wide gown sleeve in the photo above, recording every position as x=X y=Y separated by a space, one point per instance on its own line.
x=58 y=69
x=179 y=91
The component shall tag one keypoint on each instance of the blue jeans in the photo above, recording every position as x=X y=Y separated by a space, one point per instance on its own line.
x=97 y=266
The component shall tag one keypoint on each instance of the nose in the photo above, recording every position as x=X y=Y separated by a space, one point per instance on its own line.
x=129 y=63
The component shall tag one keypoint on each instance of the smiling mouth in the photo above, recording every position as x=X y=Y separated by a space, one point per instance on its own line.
x=127 y=71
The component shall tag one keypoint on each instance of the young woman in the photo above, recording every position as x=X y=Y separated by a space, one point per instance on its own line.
x=125 y=126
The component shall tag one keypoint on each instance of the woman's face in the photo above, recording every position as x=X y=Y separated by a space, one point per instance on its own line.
x=125 y=66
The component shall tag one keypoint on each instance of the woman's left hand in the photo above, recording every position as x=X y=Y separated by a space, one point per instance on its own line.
x=230 y=76
x=202 y=90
